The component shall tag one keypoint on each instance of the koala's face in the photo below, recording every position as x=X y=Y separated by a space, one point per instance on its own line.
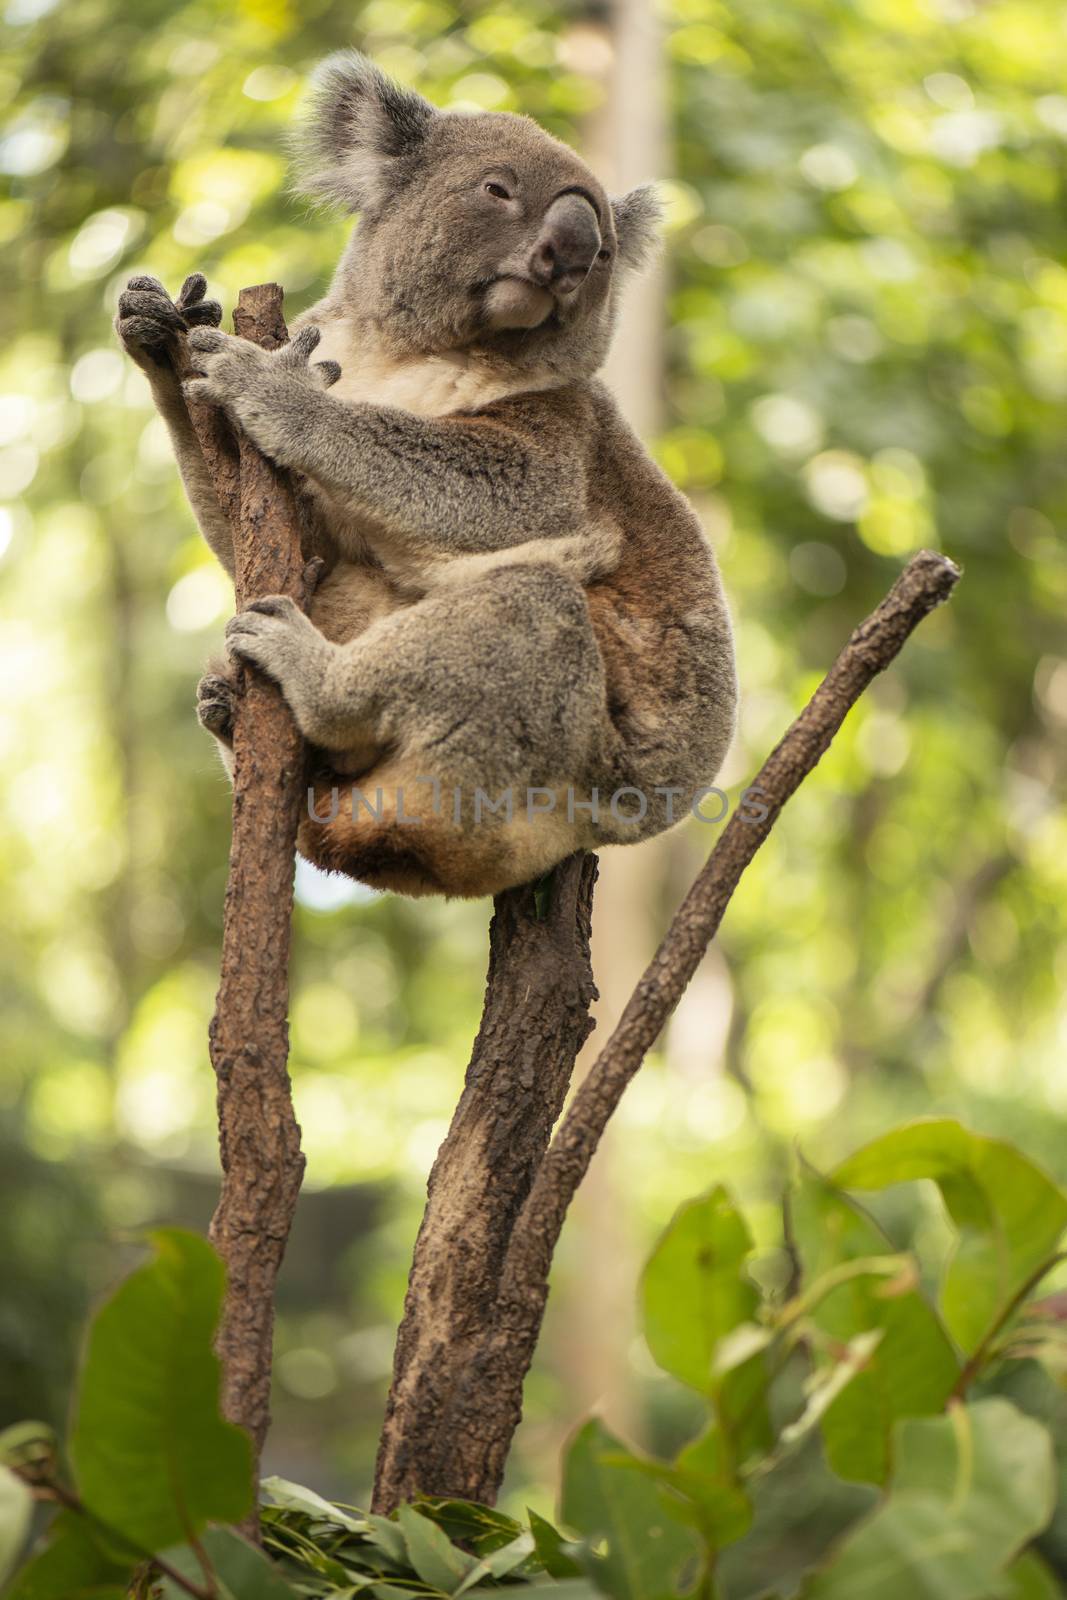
x=476 y=230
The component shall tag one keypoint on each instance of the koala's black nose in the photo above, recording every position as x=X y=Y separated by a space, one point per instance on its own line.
x=567 y=245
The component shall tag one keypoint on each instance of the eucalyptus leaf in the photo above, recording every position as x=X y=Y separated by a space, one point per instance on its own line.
x=912 y=1369
x=1009 y=1214
x=70 y=1566
x=431 y=1552
x=853 y=1360
x=569 y=1589
x=696 y=1296
x=153 y=1459
x=28 y=1443
x=604 y=1497
x=718 y=1503
x=556 y=1554
x=16 y=1513
x=1030 y=1579
x=499 y=1563
x=483 y=1527
x=244 y=1573
x=295 y=1497
x=388 y=1536
x=968 y=1491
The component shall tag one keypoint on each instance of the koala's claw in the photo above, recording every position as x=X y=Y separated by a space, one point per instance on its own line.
x=305 y=342
x=207 y=340
x=147 y=317
x=216 y=700
x=274 y=635
x=257 y=386
x=274 y=605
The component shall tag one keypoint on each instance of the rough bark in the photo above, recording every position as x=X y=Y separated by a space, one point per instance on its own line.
x=535 y=1019
x=484 y=1404
x=259 y=1138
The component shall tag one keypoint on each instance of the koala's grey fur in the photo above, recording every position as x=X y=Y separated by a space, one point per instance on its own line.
x=516 y=598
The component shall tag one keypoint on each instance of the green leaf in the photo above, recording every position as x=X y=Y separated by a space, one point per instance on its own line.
x=70 y=1566
x=968 y=1492
x=431 y=1552
x=912 y=1369
x=389 y=1538
x=555 y=1553
x=16 y=1513
x=295 y=1497
x=703 y=1472
x=1030 y=1579
x=569 y=1589
x=499 y=1563
x=607 y=1496
x=28 y=1444
x=1010 y=1216
x=153 y=1459
x=694 y=1290
x=695 y=1293
x=467 y=1522
x=826 y=1387
x=244 y=1572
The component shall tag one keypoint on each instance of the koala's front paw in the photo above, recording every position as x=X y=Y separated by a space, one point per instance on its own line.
x=258 y=387
x=274 y=635
x=216 y=703
x=148 y=318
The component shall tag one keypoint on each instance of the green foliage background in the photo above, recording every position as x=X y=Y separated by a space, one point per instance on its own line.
x=867 y=351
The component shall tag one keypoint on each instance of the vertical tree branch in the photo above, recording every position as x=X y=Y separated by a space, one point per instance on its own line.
x=481 y=1397
x=535 y=1019
x=259 y=1138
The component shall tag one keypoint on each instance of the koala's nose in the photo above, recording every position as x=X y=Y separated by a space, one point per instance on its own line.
x=567 y=245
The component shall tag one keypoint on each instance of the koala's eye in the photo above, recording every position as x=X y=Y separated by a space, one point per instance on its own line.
x=497 y=190
x=603 y=255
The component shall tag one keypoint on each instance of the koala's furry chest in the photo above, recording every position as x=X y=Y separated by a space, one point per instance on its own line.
x=427 y=386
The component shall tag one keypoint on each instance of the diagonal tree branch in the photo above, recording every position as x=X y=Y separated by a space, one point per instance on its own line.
x=483 y=1404
x=927 y=580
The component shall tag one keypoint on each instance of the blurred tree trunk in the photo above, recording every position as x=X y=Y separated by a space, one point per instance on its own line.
x=594 y=1324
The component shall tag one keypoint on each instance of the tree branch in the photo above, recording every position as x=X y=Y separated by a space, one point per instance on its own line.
x=259 y=1139
x=483 y=1399
x=534 y=1021
x=925 y=583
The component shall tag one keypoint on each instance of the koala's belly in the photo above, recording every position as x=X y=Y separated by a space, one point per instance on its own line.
x=350 y=598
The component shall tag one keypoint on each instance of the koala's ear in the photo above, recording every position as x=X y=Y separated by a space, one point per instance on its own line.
x=637 y=216
x=361 y=133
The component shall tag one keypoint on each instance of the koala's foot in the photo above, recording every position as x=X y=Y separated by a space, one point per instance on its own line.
x=274 y=635
x=148 y=318
x=259 y=387
x=216 y=702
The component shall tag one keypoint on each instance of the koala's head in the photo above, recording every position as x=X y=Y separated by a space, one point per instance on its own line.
x=476 y=231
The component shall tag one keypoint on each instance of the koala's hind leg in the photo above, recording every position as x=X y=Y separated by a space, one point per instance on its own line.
x=491 y=693
x=216 y=699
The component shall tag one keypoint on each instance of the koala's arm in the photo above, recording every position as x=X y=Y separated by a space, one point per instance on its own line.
x=147 y=319
x=451 y=485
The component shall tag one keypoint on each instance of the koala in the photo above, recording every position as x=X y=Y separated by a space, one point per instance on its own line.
x=519 y=646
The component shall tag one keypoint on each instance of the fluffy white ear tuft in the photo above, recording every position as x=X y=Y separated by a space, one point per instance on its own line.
x=361 y=133
x=638 y=217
